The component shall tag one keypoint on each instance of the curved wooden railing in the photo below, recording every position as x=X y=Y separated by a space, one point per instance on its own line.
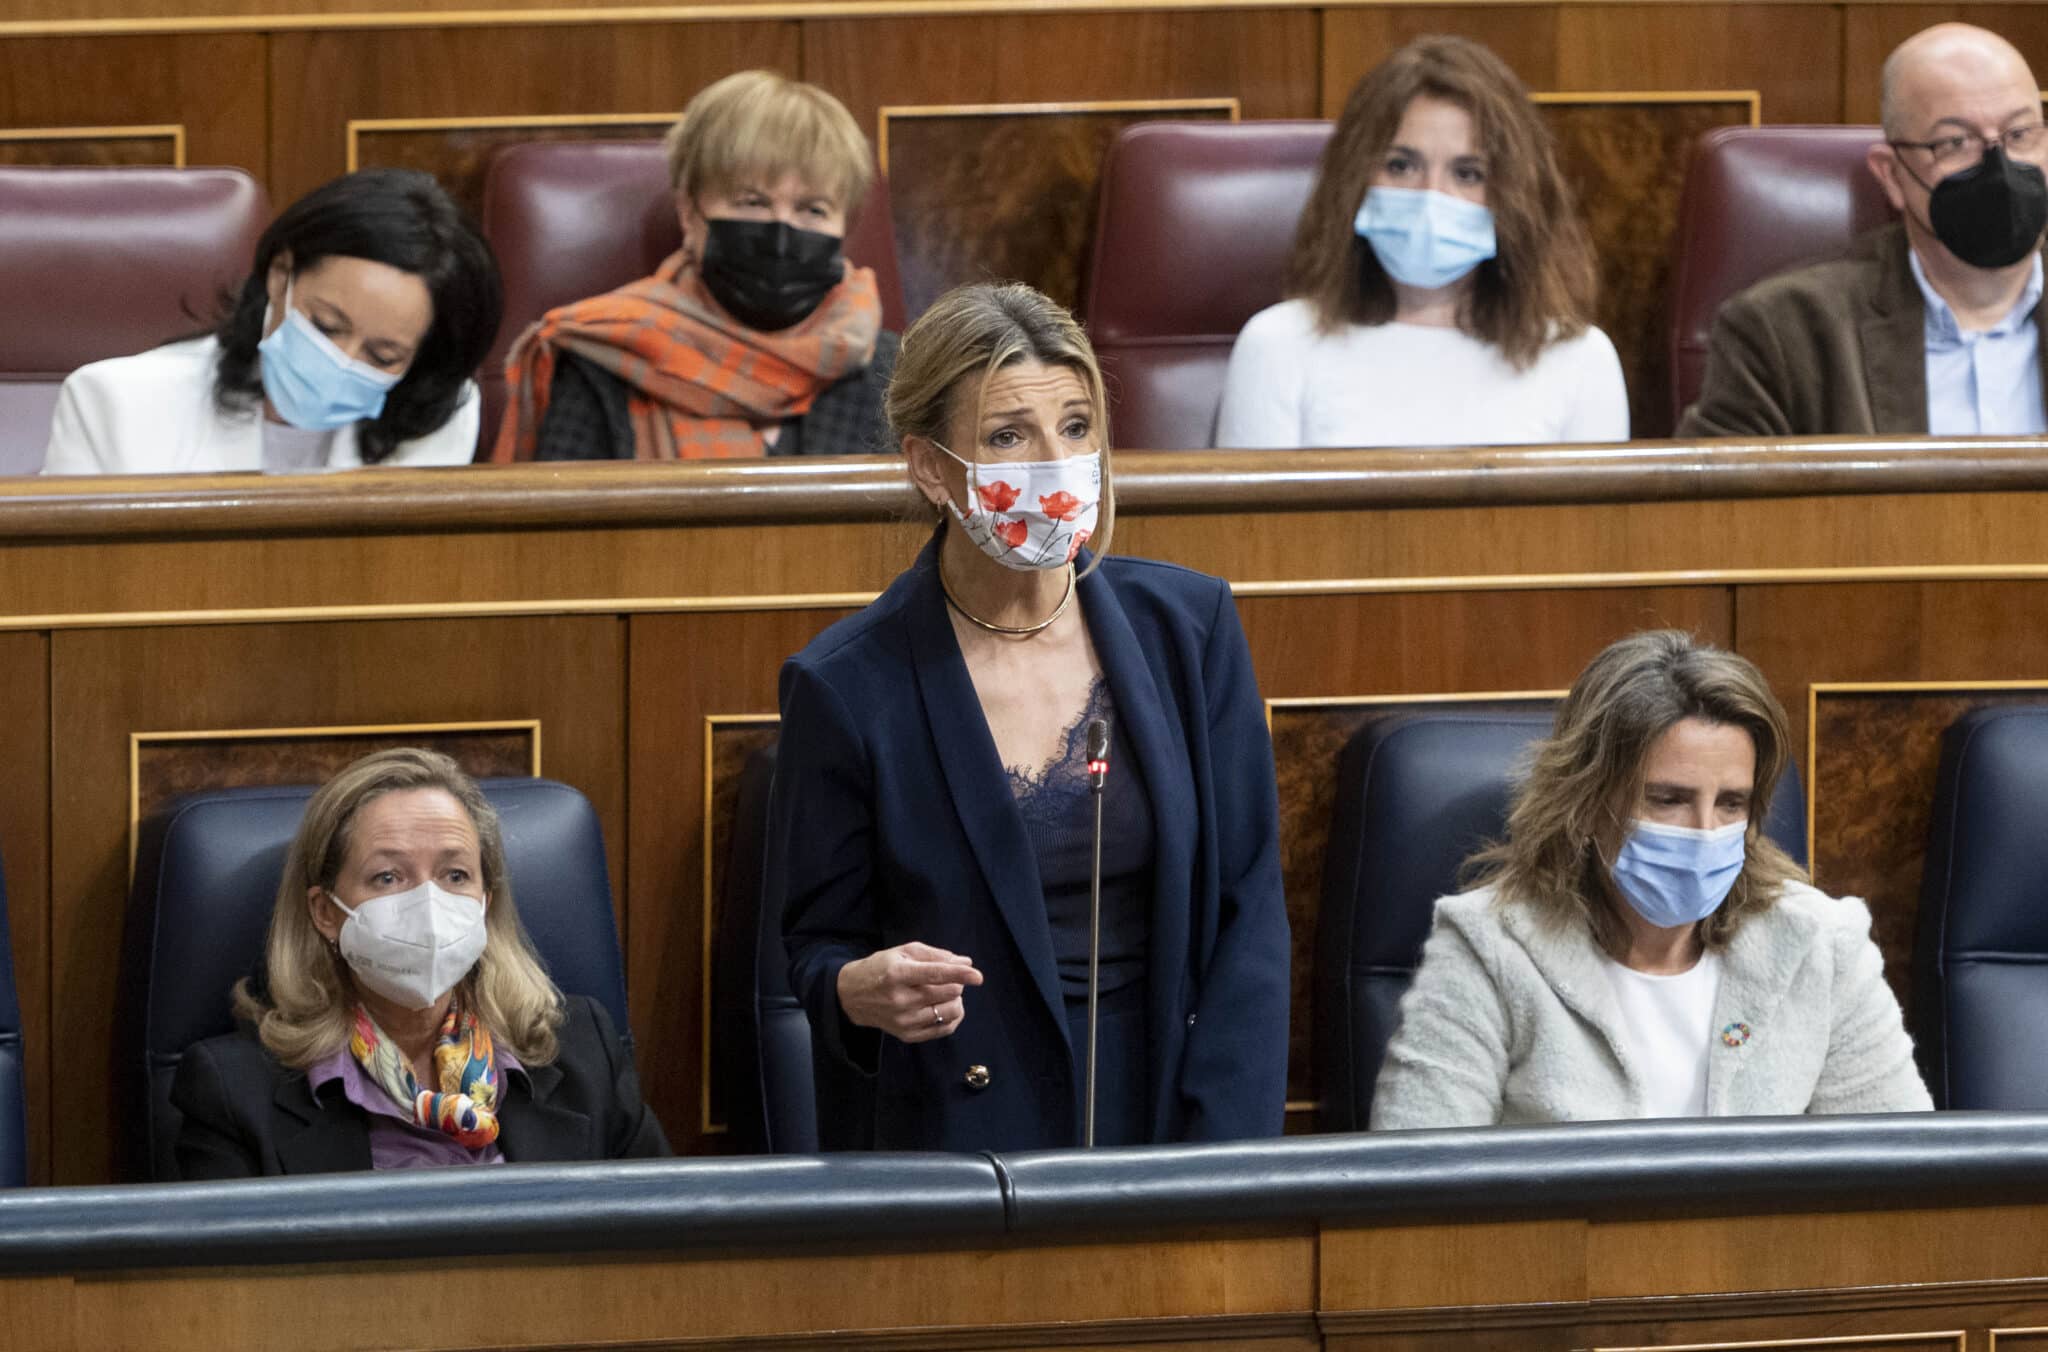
x=1149 y=483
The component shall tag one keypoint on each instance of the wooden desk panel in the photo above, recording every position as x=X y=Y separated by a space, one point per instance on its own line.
x=1936 y=1280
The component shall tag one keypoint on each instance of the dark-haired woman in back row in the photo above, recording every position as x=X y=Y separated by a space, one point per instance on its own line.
x=371 y=302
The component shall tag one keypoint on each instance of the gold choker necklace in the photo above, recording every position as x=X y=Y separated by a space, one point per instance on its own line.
x=1013 y=630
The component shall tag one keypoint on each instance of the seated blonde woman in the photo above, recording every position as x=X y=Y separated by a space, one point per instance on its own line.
x=757 y=337
x=1637 y=947
x=404 y=1020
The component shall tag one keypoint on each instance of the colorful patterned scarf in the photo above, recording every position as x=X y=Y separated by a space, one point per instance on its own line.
x=700 y=384
x=465 y=1108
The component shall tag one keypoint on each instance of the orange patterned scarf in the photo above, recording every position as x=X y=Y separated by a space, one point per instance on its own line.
x=700 y=383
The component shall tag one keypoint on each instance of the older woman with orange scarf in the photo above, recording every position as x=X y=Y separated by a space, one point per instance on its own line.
x=757 y=337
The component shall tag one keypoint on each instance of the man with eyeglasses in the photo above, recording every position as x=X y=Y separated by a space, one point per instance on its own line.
x=1933 y=323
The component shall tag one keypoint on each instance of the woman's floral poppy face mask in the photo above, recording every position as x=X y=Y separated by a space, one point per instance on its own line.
x=1031 y=514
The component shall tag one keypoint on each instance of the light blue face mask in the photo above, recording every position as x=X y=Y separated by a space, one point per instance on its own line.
x=1424 y=239
x=312 y=383
x=1675 y=875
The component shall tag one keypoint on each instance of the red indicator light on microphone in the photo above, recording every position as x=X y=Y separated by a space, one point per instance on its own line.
x=1098 y=767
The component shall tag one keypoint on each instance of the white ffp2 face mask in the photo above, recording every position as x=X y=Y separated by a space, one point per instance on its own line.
x=1031 y=514
x=412 y=947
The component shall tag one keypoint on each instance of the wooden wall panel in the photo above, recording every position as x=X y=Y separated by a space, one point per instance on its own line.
x=168 y=766
x=566 y=672
x=1929 y=631
x=1321 y=646
x=460 y=156
x=1871 y=31
x=1874 y=765
x=943 y=1298
x=108 y=147
x=1267 y=61
x=212 y=85
x=1779 y=50
x=25 y=866
x=729 y=939
x=1007 y=194
x=1356 y=40
x=683 y=670
x=1626 y=162
x=321 y=80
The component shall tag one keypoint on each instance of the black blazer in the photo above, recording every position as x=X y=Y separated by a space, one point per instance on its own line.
x=891 y=819
x=247 y=1115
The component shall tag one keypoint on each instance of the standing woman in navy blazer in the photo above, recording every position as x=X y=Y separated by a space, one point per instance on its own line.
x=931 y=825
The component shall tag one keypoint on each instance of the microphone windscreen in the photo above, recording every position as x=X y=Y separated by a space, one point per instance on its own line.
x=1098 y=739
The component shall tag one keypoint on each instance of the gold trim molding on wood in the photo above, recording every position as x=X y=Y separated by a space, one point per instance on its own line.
x=1958 y=1336
x=137 y=740
x=1303 y=703
x=1816 y=689
x=174 y=132
x=914 y=112
x=357 y=126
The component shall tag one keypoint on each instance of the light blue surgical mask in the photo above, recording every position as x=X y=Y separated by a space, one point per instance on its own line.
x=1424 y=239
x=1676 y=875
x=312 y=383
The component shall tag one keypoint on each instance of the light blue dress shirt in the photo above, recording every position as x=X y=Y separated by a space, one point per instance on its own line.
x=1986 y=382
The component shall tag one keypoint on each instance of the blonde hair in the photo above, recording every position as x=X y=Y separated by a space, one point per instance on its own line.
x=1572 y=809
x=303 y=1015
x=968 y=335
x=758 y=125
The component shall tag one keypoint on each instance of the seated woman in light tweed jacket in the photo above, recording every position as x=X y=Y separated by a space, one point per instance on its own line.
x=1636 y=947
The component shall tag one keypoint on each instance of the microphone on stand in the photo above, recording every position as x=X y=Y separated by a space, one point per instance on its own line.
x=1098 y=771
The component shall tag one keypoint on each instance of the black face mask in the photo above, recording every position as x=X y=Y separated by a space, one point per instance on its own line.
x=768 y=274
x=1990 y=215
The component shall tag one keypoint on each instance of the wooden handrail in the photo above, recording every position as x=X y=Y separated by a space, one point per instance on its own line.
x=1148 y=483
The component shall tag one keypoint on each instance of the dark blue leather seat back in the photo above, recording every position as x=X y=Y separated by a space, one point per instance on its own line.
x=206 y=874
x=1980 y=963
x=776 y=1081
x=13 y=1071
x=1416 y=796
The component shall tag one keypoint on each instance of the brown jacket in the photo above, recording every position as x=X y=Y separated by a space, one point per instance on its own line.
x=1838 y=348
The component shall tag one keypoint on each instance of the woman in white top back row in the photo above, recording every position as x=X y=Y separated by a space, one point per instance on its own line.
x=1442 y=285
x=352 y=342
x=1637 y=947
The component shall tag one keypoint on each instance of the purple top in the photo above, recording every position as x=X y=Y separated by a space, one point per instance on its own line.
x=395 y=1142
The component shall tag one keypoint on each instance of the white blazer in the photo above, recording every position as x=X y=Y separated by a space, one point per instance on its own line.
x=153 y=413
x=1512 y=1020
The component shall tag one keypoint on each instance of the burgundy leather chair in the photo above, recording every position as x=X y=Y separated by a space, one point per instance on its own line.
x=1759 y=201
x=111 y=262
x=1191 y=240
x=570 y=219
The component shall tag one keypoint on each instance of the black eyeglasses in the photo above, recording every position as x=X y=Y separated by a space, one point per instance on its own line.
x=1965 y=148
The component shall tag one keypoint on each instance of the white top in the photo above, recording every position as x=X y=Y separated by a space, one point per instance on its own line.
x=1511 y=1018
x=153 y=413
x=1667 y=1027
x=1411 y=385
x=290 y=450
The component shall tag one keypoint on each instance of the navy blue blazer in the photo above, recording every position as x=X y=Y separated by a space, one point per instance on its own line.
x=891 y=819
